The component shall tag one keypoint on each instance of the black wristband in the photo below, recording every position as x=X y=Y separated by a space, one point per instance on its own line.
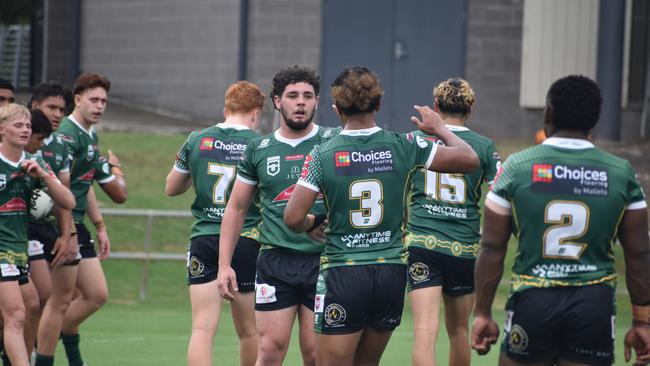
x=318 y=219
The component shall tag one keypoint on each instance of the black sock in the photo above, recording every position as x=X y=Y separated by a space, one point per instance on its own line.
x=71 y=344
x=5 y=359
x=42 y=360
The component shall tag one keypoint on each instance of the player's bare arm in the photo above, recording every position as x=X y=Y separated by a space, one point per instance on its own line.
x=233 y=219
x=177 y=183
x=97 y=219
x=61 y=249
x=456 y=156
x=489 y=270
x=59 y=193
x=296 y=214
x=634 y=240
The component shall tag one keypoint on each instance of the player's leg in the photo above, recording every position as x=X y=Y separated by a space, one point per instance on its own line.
x=337 y=349
x=458 y=295
x=371 y=346
x=39 y=274
x=274 y=328
x=243 y=307
x=91 y=282
x=206 y=308
x=306 y=335
x=32 y=313
x=13 y=313
x=425 y=279
x=64 y=279
x=202 y=257
x=457 y=312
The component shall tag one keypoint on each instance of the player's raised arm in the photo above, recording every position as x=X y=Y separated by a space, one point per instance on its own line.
x=456 y=156
x=233 y=219
x=59 y=193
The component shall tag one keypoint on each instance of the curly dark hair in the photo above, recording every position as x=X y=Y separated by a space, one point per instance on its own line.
x=574 y=103
x=88 y=80
x=40 y=123
x=292 y=75
x=357 y=90
x=42 y=91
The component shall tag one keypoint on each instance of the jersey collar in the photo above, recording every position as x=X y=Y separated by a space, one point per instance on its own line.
x=568 y=143
x=89 y=132
x=455 y=128
x=49 y=139
x=361 y=132
x=233 y=126
x=296 y=142
x=14 y=164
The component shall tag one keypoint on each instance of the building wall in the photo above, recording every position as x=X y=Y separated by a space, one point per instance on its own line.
x=164 y=53
x=494 y=35
x=60 y=42
x=282 y=33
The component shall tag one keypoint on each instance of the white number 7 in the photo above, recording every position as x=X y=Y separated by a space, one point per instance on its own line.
x=225 y=174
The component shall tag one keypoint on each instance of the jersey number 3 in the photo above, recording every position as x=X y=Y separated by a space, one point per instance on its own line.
x=225 y=174
x=370 y=194
x=571 y=219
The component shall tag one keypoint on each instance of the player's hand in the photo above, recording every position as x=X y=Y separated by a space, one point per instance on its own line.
x=485 y=333
x=60 y=251
x=113 y=160
x=318 y=234
x=104 y=244
x=431 y=122
x=73 y=248
x=638 y=338
x=33 y=168
x=227 y=282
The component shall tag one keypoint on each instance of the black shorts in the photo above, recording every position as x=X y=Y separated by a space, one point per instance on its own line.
x=285 y=279
x=12 y=272
x=351 y=298
x=203 y=261
x=568 y=323
x=85 y=241
x=42 y=238
x=428 y=268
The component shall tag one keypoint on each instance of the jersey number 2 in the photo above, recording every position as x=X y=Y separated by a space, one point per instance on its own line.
x=225 y=174
x=571 y=219
x=370 y=194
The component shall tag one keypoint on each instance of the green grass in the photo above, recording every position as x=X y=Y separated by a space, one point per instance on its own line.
x=155 y=331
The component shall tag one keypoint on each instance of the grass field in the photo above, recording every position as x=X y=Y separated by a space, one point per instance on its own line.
x=155 y=331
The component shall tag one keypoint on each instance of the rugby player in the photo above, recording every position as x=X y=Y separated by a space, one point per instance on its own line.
x=443 y=233
x=363 y=174
x=287 y=267
x=566 y=201
x=208 y=162
x=7 y=91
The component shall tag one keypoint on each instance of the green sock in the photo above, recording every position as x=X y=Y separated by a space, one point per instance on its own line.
x=42 y=360
x=5 y=360
x=71 y=344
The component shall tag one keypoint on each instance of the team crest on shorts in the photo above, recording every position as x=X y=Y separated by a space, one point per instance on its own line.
x=335 y=315
x=419 y=272
x=518 y=339
x=196 y=266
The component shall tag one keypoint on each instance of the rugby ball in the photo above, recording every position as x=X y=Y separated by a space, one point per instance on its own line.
x=40 y=204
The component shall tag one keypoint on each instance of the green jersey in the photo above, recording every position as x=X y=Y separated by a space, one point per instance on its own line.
x=273 y=164
x=210 y=157
x=56 y=155
x=444 y=214
x=15 y=191
x=567 y=199
x=363 y=176
x=87 y=165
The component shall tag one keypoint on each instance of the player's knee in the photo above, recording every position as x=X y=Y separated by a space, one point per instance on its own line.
x=14 y=318
x=458 y=331
x=99 y=298
x=271 y=348
x=32 y=305
x=247 y=331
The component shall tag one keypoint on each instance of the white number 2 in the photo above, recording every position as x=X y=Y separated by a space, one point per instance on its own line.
x=225 y=174
x=557 y=238
x=450 y=188
x=371 y=211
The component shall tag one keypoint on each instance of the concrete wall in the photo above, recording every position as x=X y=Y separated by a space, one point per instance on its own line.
x=494 y=34
x=164 y=53
x=282 y=33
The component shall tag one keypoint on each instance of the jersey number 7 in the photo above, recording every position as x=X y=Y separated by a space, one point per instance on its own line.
x=225 y=175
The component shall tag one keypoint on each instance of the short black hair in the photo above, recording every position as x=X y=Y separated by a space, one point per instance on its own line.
x=42 y=91
x=6 y=84
x=292 y=75
x=40 y=123
x=574 y=103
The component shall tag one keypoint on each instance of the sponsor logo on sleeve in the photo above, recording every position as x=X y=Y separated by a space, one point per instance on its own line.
x=367 y=162
x=576 y=180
